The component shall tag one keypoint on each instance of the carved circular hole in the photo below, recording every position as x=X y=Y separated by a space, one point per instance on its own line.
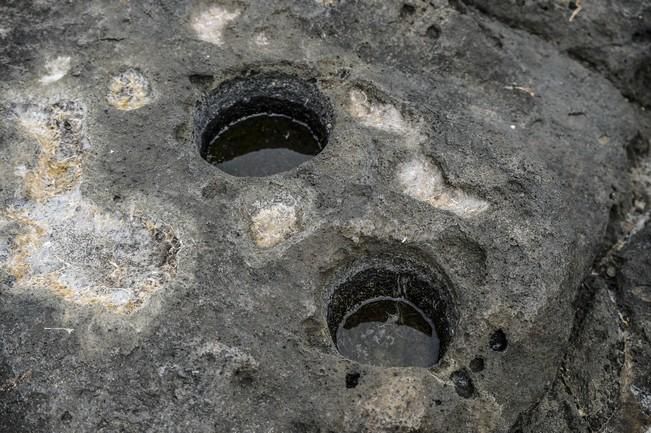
x=262 y=125
x=390 y=316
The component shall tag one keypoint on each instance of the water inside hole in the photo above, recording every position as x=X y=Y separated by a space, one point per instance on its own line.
x=262 y=144
x=390 y=332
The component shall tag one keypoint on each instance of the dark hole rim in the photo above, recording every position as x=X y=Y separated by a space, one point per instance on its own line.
x=277 y=94
x=423 y=287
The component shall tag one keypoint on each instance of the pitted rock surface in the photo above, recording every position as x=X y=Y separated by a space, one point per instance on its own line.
x=144 y=290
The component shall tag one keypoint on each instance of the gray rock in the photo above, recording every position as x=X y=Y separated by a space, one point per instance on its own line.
x=153 y=292
x=613 y=38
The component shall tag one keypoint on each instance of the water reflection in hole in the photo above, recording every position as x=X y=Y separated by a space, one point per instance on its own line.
x=262 y=144
x=388 y=331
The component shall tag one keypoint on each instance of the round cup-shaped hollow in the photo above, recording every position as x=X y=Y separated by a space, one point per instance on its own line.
x=262 y=125
x=394 y=316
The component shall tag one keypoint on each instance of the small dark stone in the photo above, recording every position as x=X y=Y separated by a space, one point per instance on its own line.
x=477 y=365
x=438 y=402
x=352 y=379
x=462 y=383
x=245 y=375
x=433 y=32
x=498 y=341
x=407 y=10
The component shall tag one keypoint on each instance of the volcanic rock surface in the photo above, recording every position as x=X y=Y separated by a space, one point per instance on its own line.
x=498 y=148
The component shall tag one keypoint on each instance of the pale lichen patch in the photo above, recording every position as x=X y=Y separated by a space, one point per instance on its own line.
x=56 y=69
x=424 y=181
x=129 y=90
x=261 y=39
x=385 y=117
x=209 y=25
x=63 y=242
x=396 y=406
x=18 y=251
x=89 y=256
x=273 y=224
x=58 y=130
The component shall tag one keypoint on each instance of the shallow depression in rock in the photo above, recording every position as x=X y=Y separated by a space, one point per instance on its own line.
x=389 y=332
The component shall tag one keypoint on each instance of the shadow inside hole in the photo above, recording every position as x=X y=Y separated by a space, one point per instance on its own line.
x=390 y=317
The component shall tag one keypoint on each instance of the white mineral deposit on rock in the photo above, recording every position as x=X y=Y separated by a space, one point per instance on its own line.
x=56 y=69
x=273 y=224
x=209 y=25
x=129 y=90
x=424 y=181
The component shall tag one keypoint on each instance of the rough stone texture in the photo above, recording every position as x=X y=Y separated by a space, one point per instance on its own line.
x=585 y=394
x=233 y=335
x=612 y=37
x=634 y=297
x=603 y=382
